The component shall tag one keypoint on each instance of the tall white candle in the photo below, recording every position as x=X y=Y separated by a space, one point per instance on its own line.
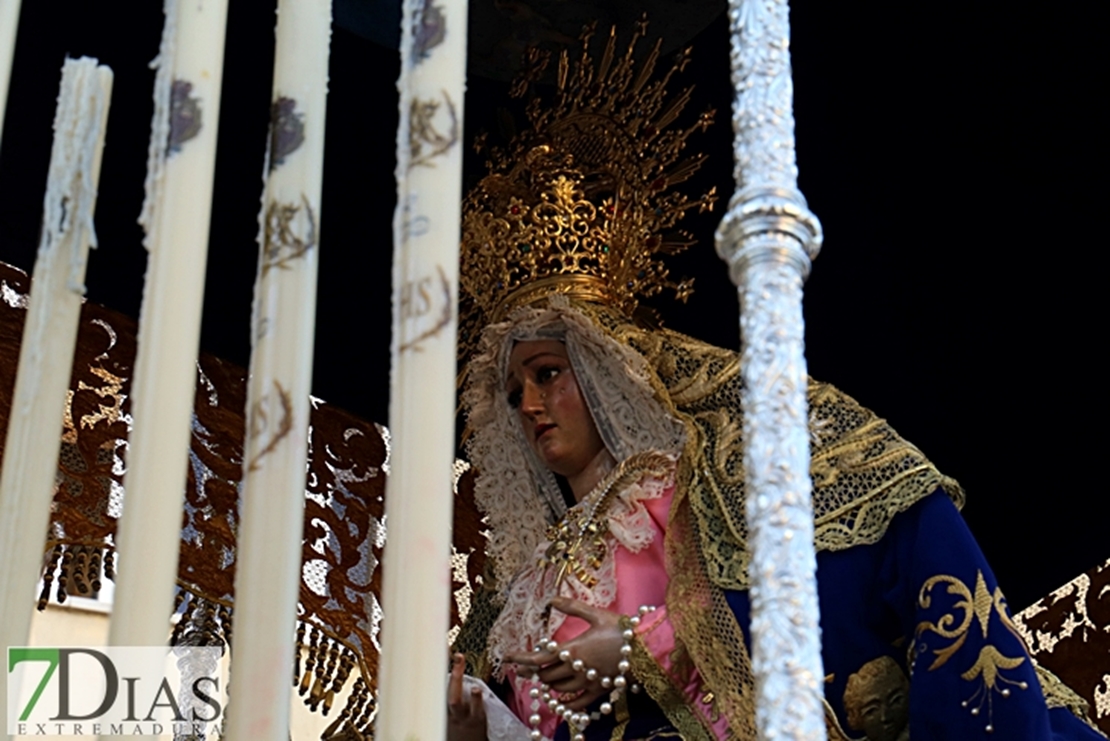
x=49 y=338
x=176 y=216
x=9 y=24
x=416 y=564
x=268 y=568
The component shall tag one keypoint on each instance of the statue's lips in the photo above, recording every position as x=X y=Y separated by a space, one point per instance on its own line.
x=542 y=428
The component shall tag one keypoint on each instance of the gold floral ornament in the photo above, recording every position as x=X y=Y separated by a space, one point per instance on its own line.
x=991 y=663
x=580 y=203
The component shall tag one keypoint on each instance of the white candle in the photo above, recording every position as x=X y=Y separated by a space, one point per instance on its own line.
x=416 y=564
x=9 y=24
x=49 y=338
x=268 y=569
x=176 y=216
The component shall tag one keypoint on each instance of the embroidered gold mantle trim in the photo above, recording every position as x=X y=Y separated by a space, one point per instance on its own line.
x=705 y=625
x=659 y=686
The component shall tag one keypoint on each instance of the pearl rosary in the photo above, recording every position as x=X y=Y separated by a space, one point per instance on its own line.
x=579 y=721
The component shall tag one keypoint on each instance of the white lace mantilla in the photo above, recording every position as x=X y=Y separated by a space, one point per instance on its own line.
x=524 y=621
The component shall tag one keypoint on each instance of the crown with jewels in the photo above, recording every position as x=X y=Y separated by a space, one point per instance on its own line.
x=581 y=203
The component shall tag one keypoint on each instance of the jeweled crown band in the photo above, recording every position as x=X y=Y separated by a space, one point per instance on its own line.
x=584 y=287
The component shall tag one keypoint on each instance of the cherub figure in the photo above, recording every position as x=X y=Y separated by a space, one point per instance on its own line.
x=877 y=701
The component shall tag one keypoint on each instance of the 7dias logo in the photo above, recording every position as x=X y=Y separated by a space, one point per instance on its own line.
x=115 y=691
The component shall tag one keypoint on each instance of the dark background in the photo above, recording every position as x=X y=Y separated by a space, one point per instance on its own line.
x=950 y=152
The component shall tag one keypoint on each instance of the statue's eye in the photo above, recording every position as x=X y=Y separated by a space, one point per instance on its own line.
x=546 y=373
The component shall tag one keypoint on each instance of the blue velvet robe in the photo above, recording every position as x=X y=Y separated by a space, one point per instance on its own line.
x=924 y=596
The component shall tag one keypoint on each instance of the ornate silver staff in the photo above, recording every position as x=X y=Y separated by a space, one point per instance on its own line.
x=768 y=238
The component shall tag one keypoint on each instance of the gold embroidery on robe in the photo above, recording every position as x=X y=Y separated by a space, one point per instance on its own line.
x=978 y=605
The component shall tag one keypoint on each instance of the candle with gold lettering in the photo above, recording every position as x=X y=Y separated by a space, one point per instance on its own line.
x=416 y=564
x=175 y=215
x=268 y=568
x=49 y=338
x=9 y=23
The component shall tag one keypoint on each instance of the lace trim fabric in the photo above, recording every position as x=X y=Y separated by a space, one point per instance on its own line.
x=524 y=618
x=1067 y=633
x=472 y=639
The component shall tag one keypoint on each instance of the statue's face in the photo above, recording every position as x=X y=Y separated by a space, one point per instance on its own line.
x=885 y=713
x=877 y=701
x=544 y=391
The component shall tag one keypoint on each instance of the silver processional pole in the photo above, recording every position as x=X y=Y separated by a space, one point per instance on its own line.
x=768 y=238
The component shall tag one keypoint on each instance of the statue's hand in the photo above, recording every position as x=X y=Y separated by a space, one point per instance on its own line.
x=598 y=647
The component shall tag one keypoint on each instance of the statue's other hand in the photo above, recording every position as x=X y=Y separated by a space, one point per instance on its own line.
x=466 y=712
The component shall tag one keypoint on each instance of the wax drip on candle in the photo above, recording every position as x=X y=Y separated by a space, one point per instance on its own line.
x=70 y=190
x=160 y=121
x=67 y=208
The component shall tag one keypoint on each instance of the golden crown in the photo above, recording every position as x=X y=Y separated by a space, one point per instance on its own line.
x=581 y=202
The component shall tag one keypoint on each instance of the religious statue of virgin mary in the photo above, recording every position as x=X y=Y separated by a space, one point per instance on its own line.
x=608 y=467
